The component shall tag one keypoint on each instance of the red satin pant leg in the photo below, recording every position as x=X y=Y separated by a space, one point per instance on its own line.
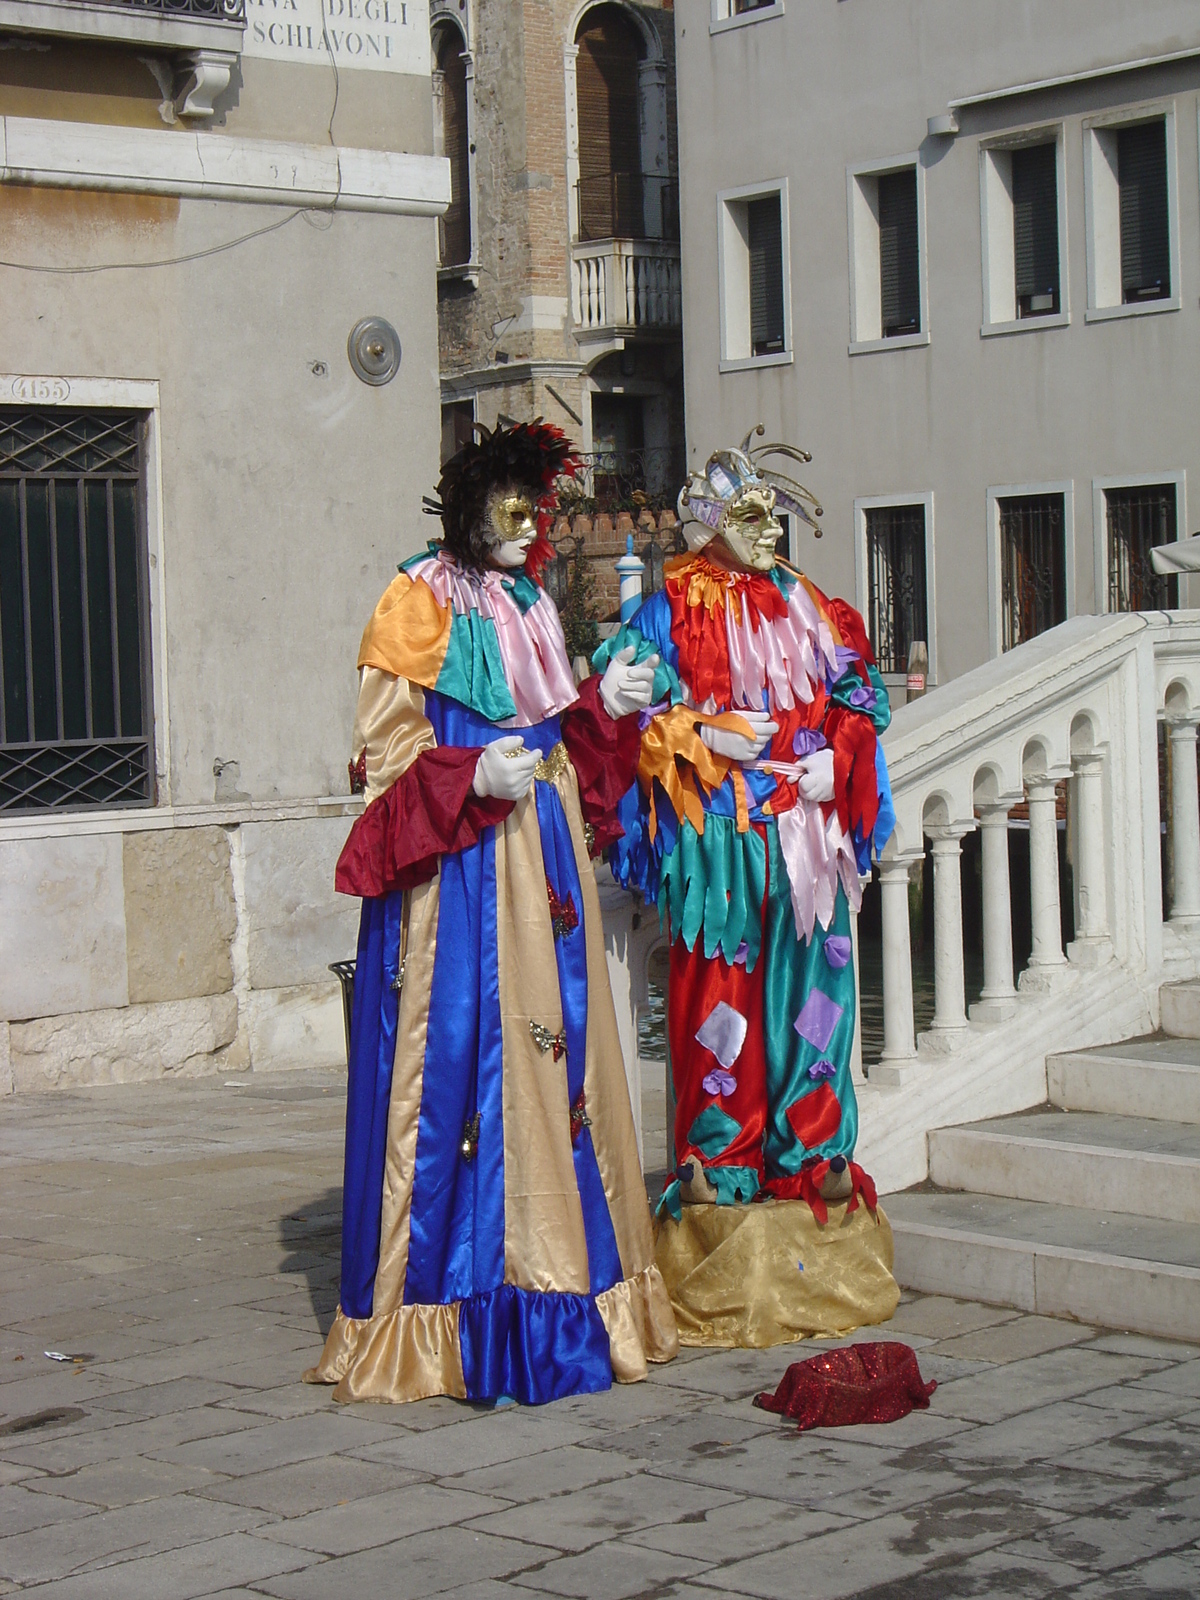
x=697 y=986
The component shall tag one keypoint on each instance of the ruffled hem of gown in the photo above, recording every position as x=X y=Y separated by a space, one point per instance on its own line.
x=529 y=1344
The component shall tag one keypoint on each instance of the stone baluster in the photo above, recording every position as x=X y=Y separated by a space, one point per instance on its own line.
x=1091 y=945
x=949 y=987
x=1045 y=911
x=998 y=998
x=1185 y=820
x=899 y=1040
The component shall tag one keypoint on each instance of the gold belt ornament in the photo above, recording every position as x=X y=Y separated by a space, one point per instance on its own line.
x=550 y=766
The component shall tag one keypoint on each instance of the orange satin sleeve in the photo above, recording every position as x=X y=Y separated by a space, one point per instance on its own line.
x=408 y=633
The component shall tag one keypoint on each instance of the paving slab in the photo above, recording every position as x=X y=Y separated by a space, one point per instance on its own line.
x=1055 y=1457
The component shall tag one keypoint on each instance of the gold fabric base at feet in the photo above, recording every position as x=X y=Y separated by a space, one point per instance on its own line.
x=734 y=1272
x=414 y=1352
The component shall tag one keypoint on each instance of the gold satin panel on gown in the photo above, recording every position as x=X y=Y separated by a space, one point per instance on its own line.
x=409 y=1352
x=734 y=1278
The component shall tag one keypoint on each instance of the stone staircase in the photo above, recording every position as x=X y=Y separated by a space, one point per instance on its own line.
x=1086 y=1207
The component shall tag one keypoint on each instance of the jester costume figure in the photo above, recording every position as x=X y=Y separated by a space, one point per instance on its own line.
x=496 y=1236
x=762 y=793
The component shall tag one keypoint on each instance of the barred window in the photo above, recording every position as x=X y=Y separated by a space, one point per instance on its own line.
x=896 y=583
x=74 y=657
x=1137 y=519
x=1033 y=566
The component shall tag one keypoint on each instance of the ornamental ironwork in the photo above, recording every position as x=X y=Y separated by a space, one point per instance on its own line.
x=212 y=10
x=74 y=654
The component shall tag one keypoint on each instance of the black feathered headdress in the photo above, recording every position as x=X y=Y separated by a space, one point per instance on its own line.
x=532 y=455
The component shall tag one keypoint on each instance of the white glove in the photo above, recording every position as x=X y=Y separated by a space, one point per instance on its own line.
x=505 y=769
x=624 y=687
x=817 y=781
x=736 y=746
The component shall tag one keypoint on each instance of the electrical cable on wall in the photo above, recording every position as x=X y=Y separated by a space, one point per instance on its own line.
x=309 y=213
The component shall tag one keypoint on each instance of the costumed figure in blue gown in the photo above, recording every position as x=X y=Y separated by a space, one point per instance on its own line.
x=496 y=1235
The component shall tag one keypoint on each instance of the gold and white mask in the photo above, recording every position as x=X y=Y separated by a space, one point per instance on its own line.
x=751 y=529
x=511 y=524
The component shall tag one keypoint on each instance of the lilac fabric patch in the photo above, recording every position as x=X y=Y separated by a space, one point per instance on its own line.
x=843 y=658
x=862 y=697
x=719 y=1081
x=838 y=950
x=819 y=1016
x=822 y=1069
x=646 y=717
x=740 y=954
x=807 y=740
x=723 y=1032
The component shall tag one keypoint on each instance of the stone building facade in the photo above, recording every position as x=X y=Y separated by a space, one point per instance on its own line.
x=218 y=412
x=559 y=283
x=974 y=233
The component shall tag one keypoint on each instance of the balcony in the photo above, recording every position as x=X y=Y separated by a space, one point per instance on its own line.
x=199 y=40
x=625 y=287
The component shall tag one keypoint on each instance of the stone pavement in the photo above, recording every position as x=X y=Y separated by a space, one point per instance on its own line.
x=178 y=1243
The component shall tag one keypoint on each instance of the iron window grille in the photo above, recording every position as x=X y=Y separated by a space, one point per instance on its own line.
x=1145 y=224
x=1138 y=519
x=74 y=653
x=1033 y=574
x=899 y=254
x=1035 y=229
x=896 y=583
x=220 y=10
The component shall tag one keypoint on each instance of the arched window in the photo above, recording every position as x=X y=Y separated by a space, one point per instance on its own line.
x=450 y=118
x=610 y=156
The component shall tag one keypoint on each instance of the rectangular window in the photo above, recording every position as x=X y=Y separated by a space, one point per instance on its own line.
x=458 y=426
x=897 y=587
x=1137 y=519
x=899 y=256
x=74 y=658
x=752 y=243
x=1035 y=229
x=1033 y=571
x=887 y=286
x=1132 y=204
x=765 y=231
x=1145 y=228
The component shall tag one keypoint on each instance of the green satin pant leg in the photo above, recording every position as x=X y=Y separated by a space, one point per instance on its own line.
x=795 y=969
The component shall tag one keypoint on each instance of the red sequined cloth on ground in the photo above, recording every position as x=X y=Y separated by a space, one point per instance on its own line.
x=877 y=1382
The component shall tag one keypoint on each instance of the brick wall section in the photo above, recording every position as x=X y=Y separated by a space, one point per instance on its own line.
x=521 y=218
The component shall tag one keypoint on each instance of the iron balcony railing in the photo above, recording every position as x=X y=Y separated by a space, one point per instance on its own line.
x=627 y=205
x=609 y=481
x=208 y=10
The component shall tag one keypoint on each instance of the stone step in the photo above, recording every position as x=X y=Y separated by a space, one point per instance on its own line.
x=1132 y=1273
x=1083 y=1159
x=1160 y=1077
x=1180 y=1004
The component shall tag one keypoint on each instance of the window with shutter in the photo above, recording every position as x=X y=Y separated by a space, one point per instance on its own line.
x=610 y=159
x=765 y=236
x=897 y=592
x=1145 y=230
x=1035 y=229
x=899 y=257
x=454 y=226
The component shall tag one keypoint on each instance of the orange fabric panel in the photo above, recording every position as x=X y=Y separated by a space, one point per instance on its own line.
x=408 y=632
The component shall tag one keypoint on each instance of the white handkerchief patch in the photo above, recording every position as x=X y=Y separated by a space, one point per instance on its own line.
x=724 y=1033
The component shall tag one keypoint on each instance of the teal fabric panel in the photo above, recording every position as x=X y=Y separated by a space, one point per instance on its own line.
x=793 y=970
x=473 y=671
x=712 y=884
x=714 y=1130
